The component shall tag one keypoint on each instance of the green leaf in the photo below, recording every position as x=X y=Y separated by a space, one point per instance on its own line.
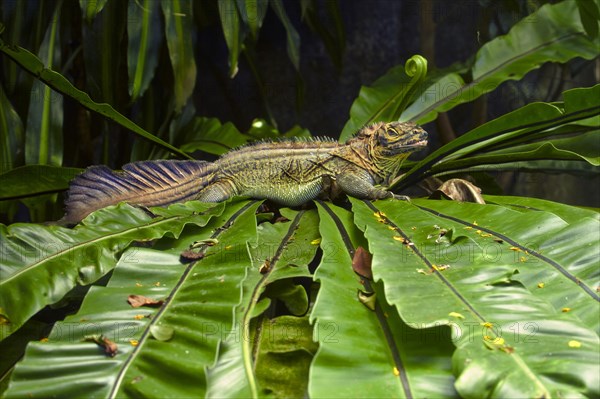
x=253 y=13
x=142 y=363
x=387 y=97
x=386 y=357
x=569 y=214
x=178 y=30
x=333 y=38
x=285 y=352
x=502 y=279
x=43 y=134
x=292 y=295
x=293 y=38
x=590 y=16
x=43 y=263
x=536 y=121
x=584 y=148
x=59 y=83
x=102 y=38
x=33 y=180
x=283 y=251
x=11 y=135
x=552 y=34
x=143 y=33
x=234 y=34
x=90 y=8
x=209 y=135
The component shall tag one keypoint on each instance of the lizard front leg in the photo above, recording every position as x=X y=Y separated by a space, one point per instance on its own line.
x=358 y=183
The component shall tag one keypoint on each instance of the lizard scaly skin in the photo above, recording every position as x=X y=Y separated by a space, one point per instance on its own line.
x=287 y=172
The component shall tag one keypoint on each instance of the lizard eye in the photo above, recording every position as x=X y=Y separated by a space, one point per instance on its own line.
x=393 y=132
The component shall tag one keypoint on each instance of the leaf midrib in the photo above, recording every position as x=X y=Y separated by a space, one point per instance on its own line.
x=492 y=71
x=94 y=240
x=514 y=356
x=168 y=301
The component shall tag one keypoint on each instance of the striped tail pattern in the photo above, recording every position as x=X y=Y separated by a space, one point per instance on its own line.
x=147 y=183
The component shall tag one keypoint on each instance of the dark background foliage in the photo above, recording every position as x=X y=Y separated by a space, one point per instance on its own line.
x=343 y=46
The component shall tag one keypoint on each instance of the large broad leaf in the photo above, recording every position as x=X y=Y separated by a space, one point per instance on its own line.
x=583 y=150
x=178 y=29
x=40 y=264
x=283 y=252
x=209 y=135
x=162 y=351
x=364 y=352
x=517 y=286
x=145 y=39
x=44 y=133
x=554 y=33
x=503 y=140
x=59 y=83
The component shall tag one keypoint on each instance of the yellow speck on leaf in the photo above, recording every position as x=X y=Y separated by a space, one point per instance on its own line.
x=157 y=284
x=474 y=223
x=379 y=214
x=456 y=314
x=44 y=339
x=228 y=247
x=468 y=228
x=396 y=372
x=440 y=268
x=486 y=235
x=541 y=285
x=138 y=316
x=487 y=324
x=413 y=228
x=478 y=231
x=316 y=241
x=494 y=340
x=565 y=310
x=134 y=342
x=517 y=249
x=139 y=284
x=574 y=344
x=522 y=259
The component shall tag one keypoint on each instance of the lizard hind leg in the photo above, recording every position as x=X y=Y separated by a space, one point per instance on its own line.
x=217 y=191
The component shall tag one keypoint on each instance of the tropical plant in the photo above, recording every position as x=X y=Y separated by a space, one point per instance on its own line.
x=383 y=299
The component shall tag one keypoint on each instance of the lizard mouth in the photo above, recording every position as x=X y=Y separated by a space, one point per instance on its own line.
x=410 y=146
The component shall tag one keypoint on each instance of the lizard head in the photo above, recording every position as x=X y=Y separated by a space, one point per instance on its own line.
x=394 y=138
x=387 y=145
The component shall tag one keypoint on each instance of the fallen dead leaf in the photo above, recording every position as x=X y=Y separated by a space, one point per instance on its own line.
x=137 y=301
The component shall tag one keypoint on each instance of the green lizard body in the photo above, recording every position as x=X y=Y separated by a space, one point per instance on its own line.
x=287 y=172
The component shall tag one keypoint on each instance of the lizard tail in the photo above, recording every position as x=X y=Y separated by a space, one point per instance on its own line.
x=147 y=183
